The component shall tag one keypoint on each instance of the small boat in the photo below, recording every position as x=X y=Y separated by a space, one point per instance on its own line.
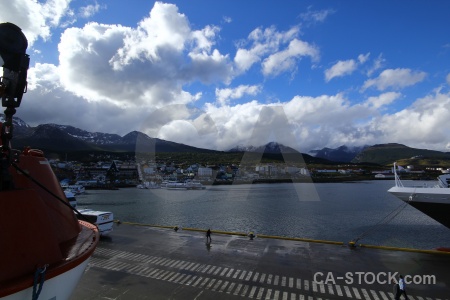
x=45 y=248
x=188 y=185
x=194 y=185
x=432 y=200
x=77 y=189
x=152 y=185
x=148 y=185
x=176 y=186
x=173 y=185
x=104 y=220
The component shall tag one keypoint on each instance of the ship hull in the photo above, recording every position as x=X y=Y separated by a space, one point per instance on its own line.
x=434 y=202
x=59 y=287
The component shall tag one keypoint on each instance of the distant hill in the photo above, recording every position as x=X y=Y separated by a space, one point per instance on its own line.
x=69 y=139
x=340 y=154
x=51 y=137
x=20 y=127
x=274 y=151
x=272 y=147
x=386 y=154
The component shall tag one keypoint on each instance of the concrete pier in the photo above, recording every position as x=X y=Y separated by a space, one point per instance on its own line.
x=137 y=262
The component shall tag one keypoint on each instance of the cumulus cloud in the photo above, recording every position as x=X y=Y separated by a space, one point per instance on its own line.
x=311 y=122
x=422 y=125
x=339 y=69
x=148 y=64
x=345 y=67
x=332 y=120
x=287 y=59
x=448 y=79
x=278 y=51
x=383 y=99
x=395 y=79
x=224 y=95
x=34 y=18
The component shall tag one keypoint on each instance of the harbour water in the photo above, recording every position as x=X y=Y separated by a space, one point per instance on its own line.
x=327 y=211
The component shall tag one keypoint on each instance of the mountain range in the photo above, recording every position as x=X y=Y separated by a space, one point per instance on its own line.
x=63 y=138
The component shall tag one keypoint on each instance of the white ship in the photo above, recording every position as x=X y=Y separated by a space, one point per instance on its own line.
x=432 y=200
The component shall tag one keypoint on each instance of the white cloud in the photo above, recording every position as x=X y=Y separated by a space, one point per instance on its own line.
x=227 y=19
x=362 y=58
x=341 y=68
x=36 y=19
x=345 y=67
x=448 y=79
x=422 y=125
x=331 y=120
x=317 y=15
x=278 y=51
x=383 y=99
x=395 y=79
x=377 y=64
x=286 y=60
x=144 y=65
x=90 y=10
x=312 y=121
x=223 y=96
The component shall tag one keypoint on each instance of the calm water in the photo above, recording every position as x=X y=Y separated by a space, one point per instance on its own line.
x=329 y=211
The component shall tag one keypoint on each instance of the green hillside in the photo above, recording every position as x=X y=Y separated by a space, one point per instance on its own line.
x=387 y=154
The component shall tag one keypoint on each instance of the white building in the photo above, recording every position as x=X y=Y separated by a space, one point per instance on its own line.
x=204 y=172
x=292 y=170
x=304 y=171
x=149 y=170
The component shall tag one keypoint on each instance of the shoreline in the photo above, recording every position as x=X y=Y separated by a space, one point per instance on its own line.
x=296 y=180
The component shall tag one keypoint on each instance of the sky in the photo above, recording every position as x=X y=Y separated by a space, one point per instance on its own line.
x=221 y=74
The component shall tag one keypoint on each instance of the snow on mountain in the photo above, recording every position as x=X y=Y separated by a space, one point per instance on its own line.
x=272 y=147
x=98 y=138
x=16 y=121
x=341 y=154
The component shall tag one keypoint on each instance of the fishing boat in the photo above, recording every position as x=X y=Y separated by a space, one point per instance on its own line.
x=433 y=200
x=45 y=248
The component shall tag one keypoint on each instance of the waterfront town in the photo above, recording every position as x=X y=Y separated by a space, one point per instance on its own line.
x=132 y=173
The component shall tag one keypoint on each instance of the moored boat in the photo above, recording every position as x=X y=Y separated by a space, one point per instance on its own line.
x=194 y=185
x=187 y=185
x=104 y=220
x=77 y=189
x=432 y=200
x=173 y=185
x=45 y=248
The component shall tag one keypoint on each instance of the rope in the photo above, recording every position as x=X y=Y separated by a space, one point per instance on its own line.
x=389 y=217
x=39 y=273
x=49 y=191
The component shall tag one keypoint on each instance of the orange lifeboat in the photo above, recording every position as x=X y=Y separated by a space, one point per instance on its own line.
x=43 y=242
x=45 y=249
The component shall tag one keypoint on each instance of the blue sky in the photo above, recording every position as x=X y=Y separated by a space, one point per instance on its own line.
x=312 y=74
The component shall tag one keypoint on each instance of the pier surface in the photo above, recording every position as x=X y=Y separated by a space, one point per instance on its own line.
x=137 y=262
